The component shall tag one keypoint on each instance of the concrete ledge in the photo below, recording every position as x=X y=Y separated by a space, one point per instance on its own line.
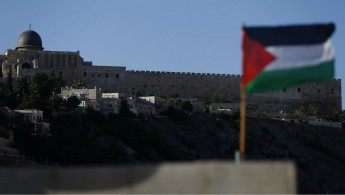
x=204 y=177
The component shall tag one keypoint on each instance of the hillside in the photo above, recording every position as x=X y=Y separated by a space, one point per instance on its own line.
x=319 y=152
x=91 y=138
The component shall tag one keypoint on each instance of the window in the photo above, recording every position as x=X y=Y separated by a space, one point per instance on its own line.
x=298 y=89
x=106 y=75
x=92 y=74
x=99 y=75
x=84 y=74
x=332 y=91
x=318 y=91
x=284 y=89
x=117 y=75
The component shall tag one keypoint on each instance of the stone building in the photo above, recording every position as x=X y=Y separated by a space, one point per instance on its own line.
x=89 y=98
x=8 y=155
x=36 y=117
x=30 y=57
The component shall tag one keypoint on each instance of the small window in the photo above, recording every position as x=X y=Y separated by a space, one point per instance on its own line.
x=84 y=74
x=332 y=91
x=99 y=75
x=60 y=73
x=92 y=74
x=106 y=75
x=299 y=90
x=318 y=91
x=117 y=75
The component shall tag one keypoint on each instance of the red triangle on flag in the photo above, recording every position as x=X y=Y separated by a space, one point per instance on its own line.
x=255 y=59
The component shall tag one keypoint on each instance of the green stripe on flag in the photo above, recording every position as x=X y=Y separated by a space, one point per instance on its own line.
x=279 y=79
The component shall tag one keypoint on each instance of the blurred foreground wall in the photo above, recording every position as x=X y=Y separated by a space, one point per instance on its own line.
x=206 y=177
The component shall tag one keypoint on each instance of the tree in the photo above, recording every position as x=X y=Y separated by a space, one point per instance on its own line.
x=23 y=86
x=253 y=106
x=55 y=101
x=186 y=105
x=40 y=84
x=225 y=99
x=40 y=90
x=124 y=109
x=78 y=84
x=72 y=102
x=312 y=110
x=309 y=110
x=131 y=91
x=215 y=99
x=9 y=86
x=56 y=83
x=33 y=101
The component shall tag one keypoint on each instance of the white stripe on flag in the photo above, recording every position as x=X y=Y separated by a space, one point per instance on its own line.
x=298 y=56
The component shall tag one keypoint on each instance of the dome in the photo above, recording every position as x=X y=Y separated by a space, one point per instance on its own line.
x=29 y=40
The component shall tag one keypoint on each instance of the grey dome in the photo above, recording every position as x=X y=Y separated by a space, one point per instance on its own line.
x=29 y=40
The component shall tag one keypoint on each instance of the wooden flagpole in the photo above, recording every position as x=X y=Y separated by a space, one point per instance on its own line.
x=243 y=105
x=243 y=126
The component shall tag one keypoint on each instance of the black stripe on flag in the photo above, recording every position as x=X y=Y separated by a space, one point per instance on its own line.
x=291 y=35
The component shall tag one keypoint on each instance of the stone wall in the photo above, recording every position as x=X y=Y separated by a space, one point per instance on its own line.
x=184 y=84
x=325 y=96
x=111 y=78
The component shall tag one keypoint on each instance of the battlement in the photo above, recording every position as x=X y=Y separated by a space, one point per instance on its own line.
x=163 y=73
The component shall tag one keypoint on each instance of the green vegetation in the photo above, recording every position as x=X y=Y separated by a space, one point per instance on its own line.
x=216 y=99
x=92 y=138
x=186 y=106
x=171 y=100
x=124 y=109
x=309 y=110
x=233 y=115
x=254 y=108
x=78 y=84
x=39 y=92
x=176 y=115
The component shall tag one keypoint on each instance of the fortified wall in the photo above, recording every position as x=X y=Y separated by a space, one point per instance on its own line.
x=189 y=85
x=325 y=96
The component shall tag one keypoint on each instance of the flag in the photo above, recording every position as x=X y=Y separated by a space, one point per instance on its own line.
x=285 y=56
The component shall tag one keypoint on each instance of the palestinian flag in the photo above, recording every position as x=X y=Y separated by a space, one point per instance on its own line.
x=285 y=56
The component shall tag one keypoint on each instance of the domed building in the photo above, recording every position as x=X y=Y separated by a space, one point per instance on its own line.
x=29 y=40
x=29 y=58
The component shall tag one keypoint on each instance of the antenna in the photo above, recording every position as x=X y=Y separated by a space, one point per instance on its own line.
x=30 y=26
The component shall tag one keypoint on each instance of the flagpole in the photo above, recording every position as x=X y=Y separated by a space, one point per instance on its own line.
x=243 y=126
x=243 y=105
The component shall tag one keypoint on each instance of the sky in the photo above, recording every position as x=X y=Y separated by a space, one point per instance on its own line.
x=201 y=36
